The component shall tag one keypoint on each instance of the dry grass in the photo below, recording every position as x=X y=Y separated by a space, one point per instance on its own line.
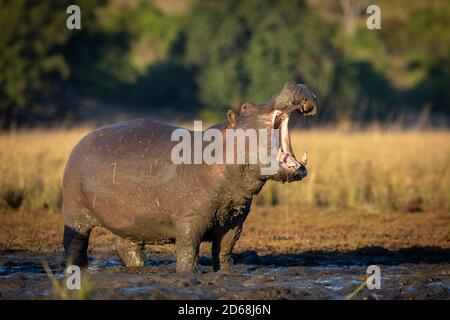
x=294 y=230
x=364 y=188
x=372 y=170
x=32 y=165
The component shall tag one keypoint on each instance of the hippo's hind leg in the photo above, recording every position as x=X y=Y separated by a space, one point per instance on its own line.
x=130 y=252
x=78 y=224
x=222 y=247
x=76 y=243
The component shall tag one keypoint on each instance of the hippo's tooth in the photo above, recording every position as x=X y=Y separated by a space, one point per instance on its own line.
x=284 y=135
x=304 y=159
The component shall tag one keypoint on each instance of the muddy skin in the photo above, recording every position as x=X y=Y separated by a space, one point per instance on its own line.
x=121 y=177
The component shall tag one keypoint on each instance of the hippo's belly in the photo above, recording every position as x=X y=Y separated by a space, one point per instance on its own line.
x=132 y=208
x=149 y=228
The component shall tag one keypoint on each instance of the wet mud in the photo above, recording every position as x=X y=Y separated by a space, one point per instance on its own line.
x=414 y=273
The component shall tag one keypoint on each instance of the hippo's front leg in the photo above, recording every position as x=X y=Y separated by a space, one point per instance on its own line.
x=222 y=249
x=187 y=246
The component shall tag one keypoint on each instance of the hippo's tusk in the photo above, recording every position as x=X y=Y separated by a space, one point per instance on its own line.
x=304 y=159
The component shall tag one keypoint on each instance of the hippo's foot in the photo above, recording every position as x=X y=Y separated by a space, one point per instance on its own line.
x=187 y=263
x=187 y=267
x=227 y=265
x=131 y=253
x=221 y=250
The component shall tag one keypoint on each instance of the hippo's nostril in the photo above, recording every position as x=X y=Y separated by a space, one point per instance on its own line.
x=298 y=175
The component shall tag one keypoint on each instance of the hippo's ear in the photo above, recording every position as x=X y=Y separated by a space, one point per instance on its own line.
x=248 y=108
x=232 y=117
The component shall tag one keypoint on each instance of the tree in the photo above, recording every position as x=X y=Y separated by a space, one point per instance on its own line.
x=31 y=32
x=245 y=50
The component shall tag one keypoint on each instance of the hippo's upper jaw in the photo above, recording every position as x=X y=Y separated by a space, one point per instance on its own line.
x=294 y=98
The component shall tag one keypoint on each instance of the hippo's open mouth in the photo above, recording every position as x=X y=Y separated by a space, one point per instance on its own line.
x=286 y=156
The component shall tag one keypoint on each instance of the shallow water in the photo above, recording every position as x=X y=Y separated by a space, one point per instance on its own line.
x=266 y=277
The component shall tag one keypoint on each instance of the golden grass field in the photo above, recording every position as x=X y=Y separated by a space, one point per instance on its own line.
x=376 y=187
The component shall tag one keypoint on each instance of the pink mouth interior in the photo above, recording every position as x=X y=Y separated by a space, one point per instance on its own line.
x=286 y=155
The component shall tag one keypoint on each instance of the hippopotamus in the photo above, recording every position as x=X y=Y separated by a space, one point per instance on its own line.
x=122 y=177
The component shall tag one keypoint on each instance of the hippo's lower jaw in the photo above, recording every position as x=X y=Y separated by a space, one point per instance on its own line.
x=291 y=169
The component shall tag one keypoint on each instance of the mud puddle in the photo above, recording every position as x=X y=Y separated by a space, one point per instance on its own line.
x=255 y=277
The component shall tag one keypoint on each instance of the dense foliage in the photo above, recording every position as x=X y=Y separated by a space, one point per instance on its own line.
x=207 y=56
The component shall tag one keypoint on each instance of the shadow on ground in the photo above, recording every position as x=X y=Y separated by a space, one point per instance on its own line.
x=359 y=257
